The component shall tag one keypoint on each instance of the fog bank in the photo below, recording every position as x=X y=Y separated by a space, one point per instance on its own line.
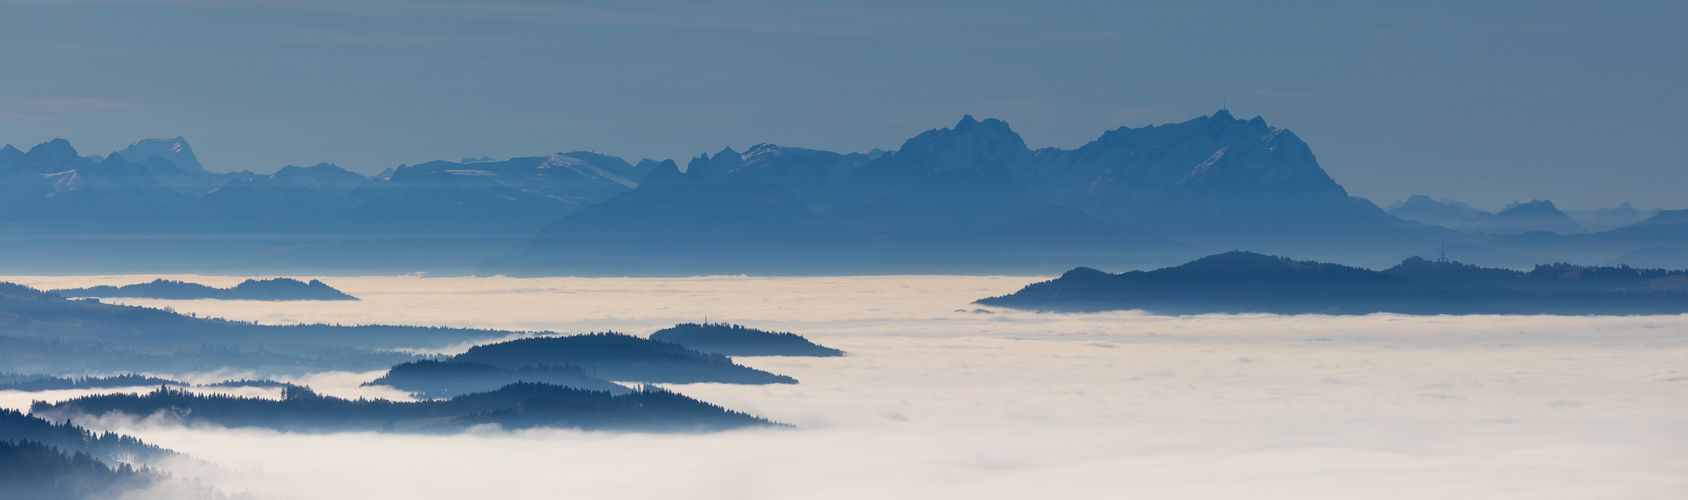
x=935 y=403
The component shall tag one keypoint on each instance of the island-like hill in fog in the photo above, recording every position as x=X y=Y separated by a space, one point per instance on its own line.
x=515 y=406
x=684 y=354
x=738 y=340
x=434 y=379
x=615 y=356
x=44 y=332
x=252 y=289
x=1243 y=282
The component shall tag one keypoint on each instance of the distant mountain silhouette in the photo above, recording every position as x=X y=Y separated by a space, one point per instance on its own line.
x=1213 y=177
x=737 y=340
x=252 y=289
x=1238 y=282
x=614 y=356
x=515 y=195
x=1537 y=215
x=1607 y=219
x=515 y=406
x=959 y=177
x=1445 y=213
x=808 y=174
x=174 y=150
x=972 y=198
x=1665 y=229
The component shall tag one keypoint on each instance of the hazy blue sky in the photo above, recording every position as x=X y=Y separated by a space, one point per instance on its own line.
x=1583 y=103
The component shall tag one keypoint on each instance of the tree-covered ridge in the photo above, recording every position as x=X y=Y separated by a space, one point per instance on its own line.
x=1249 y=282
x=109 y=447
x=616 y=356
x=30 y=470
x=40 y=459
x=738 y=340
x=440 y=379
x=252 y=289
x=519 y=405
x=267 y=383
x=49 y=383
x=42 y=332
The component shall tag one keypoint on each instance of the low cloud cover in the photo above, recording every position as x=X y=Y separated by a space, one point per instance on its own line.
x=932 y=402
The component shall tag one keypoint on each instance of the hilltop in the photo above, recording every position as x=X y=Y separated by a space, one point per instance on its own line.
x=1241 y=282
x=252 y=289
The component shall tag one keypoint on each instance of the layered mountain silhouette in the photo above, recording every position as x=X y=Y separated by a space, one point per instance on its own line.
x=973 y=197
x=968 y=198
x=1537 y=215
x=1445 y=213
x=1610 y=218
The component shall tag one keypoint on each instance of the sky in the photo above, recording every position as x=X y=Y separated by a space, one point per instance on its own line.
x=936 y=402
x=1485 y=102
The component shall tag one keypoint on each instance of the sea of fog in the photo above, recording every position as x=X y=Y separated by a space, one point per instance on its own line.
x=938 y=399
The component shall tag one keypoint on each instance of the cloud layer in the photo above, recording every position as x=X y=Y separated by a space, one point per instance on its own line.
x=935 y=403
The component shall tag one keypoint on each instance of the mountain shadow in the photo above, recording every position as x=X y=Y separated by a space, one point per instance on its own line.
x=1243 y=282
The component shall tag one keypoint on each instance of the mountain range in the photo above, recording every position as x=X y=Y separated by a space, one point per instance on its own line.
x=968 y=198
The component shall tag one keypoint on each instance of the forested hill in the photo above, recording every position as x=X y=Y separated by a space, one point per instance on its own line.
x=519 y=405
x=438 y=379
x=33 y=471
x=42 y=332
x=42 y=460
x=108 y=447
x=615 y=356
x=1239 y=282
x=738 y=340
